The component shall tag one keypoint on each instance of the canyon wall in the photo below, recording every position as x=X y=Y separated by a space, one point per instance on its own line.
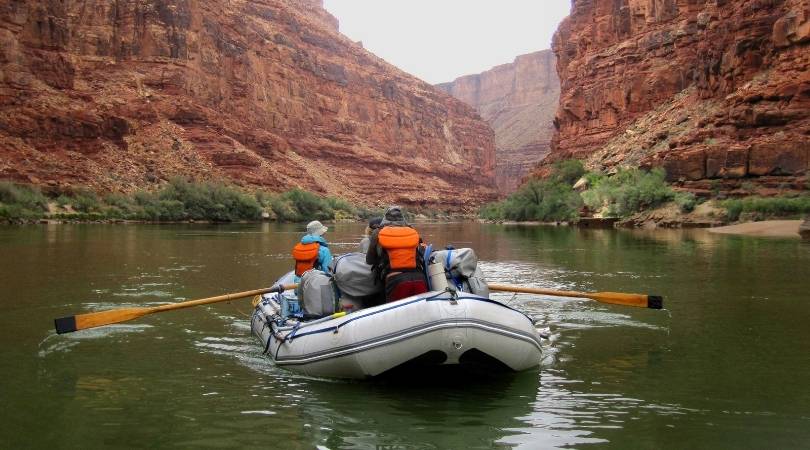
x=122 y=95
x=709 y=90
x=519 y=101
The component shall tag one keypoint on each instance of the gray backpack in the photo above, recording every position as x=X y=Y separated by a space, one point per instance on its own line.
x=354 y=277
x=462 y=270
x=316 y=292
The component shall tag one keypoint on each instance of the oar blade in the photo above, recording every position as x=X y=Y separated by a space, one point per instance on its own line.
x=655 y=302
x=636 y=300
x=78 y=322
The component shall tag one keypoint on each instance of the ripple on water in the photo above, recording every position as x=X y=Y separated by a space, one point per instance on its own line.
x=59 y=343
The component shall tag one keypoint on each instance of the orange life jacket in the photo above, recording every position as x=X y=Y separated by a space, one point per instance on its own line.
x=305 y=256
x=400 y=243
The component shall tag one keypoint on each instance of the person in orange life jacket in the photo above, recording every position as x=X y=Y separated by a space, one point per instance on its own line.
x=313 y=251
x=394 y=254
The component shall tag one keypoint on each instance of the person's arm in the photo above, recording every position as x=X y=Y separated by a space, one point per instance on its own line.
x=372 y=258
x=325 y=257
x=363 y=247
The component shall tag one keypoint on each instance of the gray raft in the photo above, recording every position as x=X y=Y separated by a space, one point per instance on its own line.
x=431 y=330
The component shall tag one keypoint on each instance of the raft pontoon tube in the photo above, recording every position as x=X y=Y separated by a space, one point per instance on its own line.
x=427 y=330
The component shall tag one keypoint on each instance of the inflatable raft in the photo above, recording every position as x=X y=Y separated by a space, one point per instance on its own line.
x=423 y=332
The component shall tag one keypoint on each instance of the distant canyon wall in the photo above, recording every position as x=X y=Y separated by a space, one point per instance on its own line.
x=519 y=101
x=716 y=89
x=123 y=95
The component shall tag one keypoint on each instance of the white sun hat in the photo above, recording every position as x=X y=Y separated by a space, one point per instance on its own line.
x=316 y=228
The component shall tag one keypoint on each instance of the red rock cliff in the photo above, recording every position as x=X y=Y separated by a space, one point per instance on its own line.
x=519 y=101
x=120 y=95
x=706 y=89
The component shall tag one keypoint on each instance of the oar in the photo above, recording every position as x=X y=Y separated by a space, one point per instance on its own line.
x=614 y=298
x=96 y=319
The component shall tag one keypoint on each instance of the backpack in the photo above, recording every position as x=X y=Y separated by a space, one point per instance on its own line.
x=354 y=278
x=316 y=292
x=462 y=271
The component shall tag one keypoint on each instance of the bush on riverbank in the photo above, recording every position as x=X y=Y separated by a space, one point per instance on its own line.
x=297 y=205
x=633 y=190
x=21 y=201
x=549 y=200
x=179 y=200
x=553 y=199
x=764 y=207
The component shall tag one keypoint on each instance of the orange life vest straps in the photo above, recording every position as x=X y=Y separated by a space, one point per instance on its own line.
x=400 y=243
x=305 y=256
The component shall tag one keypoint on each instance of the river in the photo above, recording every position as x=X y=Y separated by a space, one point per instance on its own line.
x=726 y=365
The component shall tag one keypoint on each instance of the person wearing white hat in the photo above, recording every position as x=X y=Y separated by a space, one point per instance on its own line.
x=313 y=250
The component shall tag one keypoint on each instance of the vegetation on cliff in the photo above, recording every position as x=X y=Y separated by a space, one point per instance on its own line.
x=179 y=200
x=547 y=200
x=554 y=198
x=632 y=190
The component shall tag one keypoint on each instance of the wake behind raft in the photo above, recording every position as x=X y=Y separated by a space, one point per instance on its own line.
x=455 y=324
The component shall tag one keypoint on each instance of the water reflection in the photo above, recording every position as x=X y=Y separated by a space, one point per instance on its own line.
x=725 y=367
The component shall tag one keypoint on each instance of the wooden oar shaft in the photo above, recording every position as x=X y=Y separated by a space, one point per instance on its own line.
x=529 y=290
x=70 y=324
x=614 y=298
x=217 y=299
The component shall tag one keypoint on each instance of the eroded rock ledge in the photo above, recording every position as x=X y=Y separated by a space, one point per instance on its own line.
x=715 y=90
x=519 y=100
x=122 y=95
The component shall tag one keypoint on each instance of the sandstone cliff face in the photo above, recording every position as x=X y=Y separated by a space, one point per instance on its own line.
x=519 y=101
x=121 y=95
x=716 y=89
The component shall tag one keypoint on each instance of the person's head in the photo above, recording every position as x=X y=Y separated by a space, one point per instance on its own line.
x=394 y=214
x=316 y=228
x=373 y=224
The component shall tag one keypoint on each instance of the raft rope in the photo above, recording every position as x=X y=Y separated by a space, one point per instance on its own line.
x=433 y=298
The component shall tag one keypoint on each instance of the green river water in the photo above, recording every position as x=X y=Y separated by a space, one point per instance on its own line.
x=726 y=365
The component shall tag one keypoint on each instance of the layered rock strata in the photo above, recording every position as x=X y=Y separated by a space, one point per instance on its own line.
x=123 y=95
x=709 y=90
x=519 y=101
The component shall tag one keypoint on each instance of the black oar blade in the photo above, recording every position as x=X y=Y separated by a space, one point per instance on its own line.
x=655 y=302
x=65 y=324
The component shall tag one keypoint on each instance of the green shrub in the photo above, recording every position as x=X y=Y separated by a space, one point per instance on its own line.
x=630 y=191
x=537 y=200
x=179 y=200
x=86 y=202
x=549 y=200
x=366 y=213
x=767 y=206
x=182 y=199
x=686 y=201
x=22 y=196
x=733 y=209
x=492 y=211
x=568 y=171
x=341 y=206
x=62 y=200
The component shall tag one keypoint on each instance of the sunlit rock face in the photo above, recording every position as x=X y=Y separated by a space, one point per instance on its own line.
x=124 y=95
x=519 y=101
x=707 y=89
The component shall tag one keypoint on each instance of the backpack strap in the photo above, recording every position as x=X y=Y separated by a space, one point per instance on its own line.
x=447 y=260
